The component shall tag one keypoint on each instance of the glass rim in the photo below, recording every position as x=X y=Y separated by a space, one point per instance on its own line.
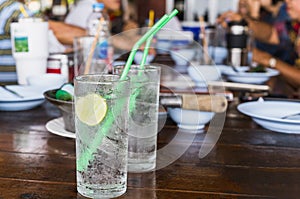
x=83 y=37
x=137 y=68
x=90 y=78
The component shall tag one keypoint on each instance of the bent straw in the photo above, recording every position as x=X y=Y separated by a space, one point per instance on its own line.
x=139 y=43
x=92 y=50
x=87 y=155
x=151 y=18
x=204 y=41
x=23 y=11
x=157 y=26
x=146 y=51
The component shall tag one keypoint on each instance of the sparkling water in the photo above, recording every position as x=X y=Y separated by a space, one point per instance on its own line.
x=102 y=149
x=143 y=122
x=106 y=173
x=143 y=137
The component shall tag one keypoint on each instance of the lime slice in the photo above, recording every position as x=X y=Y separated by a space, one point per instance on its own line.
x=91 y=109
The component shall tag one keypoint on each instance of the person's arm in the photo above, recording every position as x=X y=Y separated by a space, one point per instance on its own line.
x=65 y=33
x=261 y=31
x=290 y=73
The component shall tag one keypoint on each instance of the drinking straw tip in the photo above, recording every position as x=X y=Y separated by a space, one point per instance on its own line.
x=23 y=11
x=175 y=11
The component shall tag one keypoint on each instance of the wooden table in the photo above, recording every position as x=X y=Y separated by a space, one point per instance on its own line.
x=247 y=162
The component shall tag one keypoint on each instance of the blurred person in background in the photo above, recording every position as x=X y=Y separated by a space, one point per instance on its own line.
x=10 y=12
x=265 y=32
x=122 y=17
x=274 y=13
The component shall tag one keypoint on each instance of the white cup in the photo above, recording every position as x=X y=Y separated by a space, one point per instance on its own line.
x=29 y=38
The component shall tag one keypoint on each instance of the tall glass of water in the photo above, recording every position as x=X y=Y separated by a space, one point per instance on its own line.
x=101 y=123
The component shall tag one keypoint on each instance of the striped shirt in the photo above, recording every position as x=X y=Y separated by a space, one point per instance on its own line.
x=9 y=12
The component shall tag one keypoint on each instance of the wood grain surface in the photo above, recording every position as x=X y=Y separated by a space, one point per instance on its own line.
x=247 y=161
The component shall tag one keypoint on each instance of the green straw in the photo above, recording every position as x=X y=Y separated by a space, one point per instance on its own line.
x=87 y=154
x=146 y=51
x=155 y=28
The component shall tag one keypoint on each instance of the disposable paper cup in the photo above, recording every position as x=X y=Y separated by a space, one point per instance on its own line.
x=29 y=38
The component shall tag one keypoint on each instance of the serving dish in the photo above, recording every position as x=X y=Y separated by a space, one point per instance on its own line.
x=270 y=115
x=65 y=107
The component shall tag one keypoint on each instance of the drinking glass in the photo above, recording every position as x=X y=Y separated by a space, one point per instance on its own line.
x=82 y=49
x=143 y=119
x=101 y=142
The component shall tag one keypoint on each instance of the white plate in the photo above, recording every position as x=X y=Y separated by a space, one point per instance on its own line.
x=268 y=114
x=32 y=97
x=248 y=77
x=57 y=127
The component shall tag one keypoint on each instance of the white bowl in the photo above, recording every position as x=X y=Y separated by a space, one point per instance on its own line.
x=47 y=81
x=203 y=73
x=218 y=54
x=183 y=56
x=190 y=119
x=248 y=77
x=163 y=46
x=167 y=38
x=139 y=55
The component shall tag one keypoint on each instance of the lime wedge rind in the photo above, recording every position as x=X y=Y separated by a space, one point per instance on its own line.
x=91 y=109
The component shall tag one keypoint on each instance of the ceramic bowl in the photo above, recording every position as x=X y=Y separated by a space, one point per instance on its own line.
x=139 y=55
x=65 y=107
x=46 y=81
x=190 y=119
x=183 y=56
x=163 y=46
x=218 y=54
x=202 y=74
x=168 y=38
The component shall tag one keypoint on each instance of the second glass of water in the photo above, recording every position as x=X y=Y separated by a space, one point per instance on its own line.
x=143 y=119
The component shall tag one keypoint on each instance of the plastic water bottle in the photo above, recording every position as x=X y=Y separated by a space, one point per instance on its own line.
x=104 y=51
x=94 y=18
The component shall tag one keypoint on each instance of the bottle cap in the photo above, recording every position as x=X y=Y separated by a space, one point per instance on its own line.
x=98 y=6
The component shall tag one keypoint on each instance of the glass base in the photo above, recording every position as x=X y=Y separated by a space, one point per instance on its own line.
x=101 y=193
x=138 y=167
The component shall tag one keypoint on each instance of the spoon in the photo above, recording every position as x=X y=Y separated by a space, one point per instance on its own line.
x=235 y=69
x=290 y=115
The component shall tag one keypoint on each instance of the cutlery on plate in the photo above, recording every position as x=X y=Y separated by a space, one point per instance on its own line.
x=11 y=91
x=290 y=115
x=234 y=68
